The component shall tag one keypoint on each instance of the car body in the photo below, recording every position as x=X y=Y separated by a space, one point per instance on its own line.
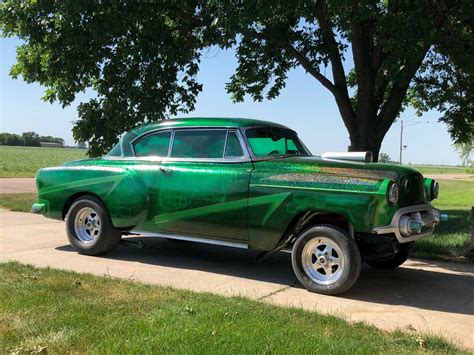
x=243 y=183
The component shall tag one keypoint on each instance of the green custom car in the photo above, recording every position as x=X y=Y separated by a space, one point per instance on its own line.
x=247 y=184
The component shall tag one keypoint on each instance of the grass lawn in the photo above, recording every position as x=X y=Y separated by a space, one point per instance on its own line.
x=25 y=161
x=17 y=202
x=60 y=311
x=433 y=169
x=451 y=239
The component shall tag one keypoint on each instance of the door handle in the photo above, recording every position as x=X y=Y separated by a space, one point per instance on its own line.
x=166 y=170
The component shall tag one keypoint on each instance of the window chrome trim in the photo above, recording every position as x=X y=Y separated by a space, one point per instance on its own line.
x=244 y=159
x=193 y=239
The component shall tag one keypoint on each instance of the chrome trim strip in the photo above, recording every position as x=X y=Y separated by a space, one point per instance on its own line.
x=194 y=160
x=393 y=227
x=192 y=239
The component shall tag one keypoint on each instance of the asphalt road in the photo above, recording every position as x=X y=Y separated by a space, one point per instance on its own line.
x=431 y=297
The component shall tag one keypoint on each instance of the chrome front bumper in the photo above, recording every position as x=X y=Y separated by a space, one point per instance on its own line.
x=412 y=223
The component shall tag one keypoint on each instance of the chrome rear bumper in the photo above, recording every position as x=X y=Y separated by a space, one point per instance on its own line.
x=412 y=223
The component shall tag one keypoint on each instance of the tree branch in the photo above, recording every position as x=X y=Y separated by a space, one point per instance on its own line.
x=342 y=95
x=398 y=92
x=305 y=63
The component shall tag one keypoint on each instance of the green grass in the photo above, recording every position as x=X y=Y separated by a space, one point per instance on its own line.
x=455 y=194
x=25 y=161
x=17 y=202
x=61 y=311
x=451 y=239
x=433 y=169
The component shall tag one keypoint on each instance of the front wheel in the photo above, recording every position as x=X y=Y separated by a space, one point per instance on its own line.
x=326 y=260
x=89 y=229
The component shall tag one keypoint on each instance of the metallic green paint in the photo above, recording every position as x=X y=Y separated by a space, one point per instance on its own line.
x=248 y=201
x=428 y=186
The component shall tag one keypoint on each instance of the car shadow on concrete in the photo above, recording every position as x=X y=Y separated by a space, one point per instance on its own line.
x=444 y=292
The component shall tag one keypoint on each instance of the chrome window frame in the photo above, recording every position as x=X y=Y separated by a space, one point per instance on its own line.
x=245 y=158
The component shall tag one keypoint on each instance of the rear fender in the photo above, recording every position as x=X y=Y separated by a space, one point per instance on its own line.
x=121 y=189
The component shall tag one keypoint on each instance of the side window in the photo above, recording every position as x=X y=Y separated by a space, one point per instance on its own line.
x=153 y=145
x=233 y=148
x=199 y=143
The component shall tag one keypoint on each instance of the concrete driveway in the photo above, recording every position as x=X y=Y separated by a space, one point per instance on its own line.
x=431 y=297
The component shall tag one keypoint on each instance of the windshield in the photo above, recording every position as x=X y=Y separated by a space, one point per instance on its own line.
x=278 y=142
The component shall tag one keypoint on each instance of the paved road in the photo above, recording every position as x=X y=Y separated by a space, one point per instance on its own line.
x=433 y=297
x=17 y=185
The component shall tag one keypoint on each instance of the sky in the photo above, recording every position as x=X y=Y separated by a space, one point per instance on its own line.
x=304 y=105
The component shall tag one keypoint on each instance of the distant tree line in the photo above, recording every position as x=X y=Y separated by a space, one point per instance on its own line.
x=29 y=139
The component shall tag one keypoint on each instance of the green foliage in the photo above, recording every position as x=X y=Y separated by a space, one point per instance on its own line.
x=10 y=139
x=28 y=139
x=466 y=152
x=65 y=312
x=141 y=58
x=25 y=161
x=385 y=158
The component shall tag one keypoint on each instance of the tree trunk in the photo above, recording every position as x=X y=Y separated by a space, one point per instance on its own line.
x=365 y=137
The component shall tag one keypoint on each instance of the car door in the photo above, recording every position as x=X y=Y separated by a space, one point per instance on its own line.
x=203 y=186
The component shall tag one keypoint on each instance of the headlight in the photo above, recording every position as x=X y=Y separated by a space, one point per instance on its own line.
x=393 y=193
x=434 y=189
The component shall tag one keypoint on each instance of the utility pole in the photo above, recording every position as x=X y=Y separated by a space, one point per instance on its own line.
x=401 y=141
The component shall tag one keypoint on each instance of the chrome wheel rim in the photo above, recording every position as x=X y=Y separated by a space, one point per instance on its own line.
x=323 y=260
x=87 y=225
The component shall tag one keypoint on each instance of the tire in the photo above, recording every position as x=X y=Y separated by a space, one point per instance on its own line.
x=339 y=268
x=393 y=261
x=89 y=229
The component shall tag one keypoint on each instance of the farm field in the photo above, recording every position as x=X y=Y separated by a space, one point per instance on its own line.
x=25 y=161
x=433 y=169
x=47 y=310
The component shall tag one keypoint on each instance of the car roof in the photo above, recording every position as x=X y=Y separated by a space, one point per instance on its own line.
x=205 y=122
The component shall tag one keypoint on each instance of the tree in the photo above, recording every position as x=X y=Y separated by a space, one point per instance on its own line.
x=142 y=58
x=10 y=139
x=465 y=151
x=385 y=158
x=30 y=139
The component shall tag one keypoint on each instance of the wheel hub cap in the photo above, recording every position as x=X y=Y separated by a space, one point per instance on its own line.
x=87 y=225
x=322 y=260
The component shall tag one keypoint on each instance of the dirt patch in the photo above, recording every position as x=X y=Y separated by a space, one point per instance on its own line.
x=450 y=176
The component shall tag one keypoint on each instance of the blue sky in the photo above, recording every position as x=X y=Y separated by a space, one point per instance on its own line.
x=304 y=105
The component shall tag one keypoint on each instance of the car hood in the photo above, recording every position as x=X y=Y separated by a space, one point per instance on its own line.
x=346 y=168
x=340 y=175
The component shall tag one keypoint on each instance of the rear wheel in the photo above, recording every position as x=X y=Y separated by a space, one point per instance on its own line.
x=393 y=261
x=326 y=260
x=89 y=229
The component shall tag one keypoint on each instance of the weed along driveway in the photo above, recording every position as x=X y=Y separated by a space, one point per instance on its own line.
x=433 y=297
